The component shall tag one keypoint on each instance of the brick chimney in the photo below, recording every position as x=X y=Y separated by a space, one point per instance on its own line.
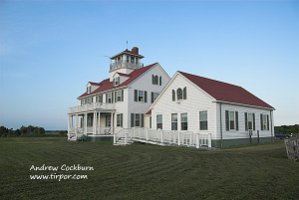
x=135 y=51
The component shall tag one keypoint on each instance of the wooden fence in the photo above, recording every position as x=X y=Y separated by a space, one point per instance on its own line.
x=292 y=147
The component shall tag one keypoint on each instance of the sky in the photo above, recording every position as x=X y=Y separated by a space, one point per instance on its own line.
x=50 y=49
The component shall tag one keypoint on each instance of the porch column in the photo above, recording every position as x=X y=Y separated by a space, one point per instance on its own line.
x=99 y=123
x=112 y=123
x=94 y=123
x=85 y=124
x=69 y=125
x=77 y=124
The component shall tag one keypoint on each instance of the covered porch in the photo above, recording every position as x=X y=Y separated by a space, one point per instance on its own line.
x=91 y=123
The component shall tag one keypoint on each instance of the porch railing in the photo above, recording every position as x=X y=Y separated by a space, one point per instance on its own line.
x=91 y=107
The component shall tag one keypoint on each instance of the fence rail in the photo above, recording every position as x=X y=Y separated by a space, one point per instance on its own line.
x=162 y=137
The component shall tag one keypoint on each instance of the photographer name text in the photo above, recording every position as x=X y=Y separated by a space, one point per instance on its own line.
x=64 y=167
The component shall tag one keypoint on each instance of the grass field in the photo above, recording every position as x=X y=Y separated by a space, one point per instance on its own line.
x=146 y=171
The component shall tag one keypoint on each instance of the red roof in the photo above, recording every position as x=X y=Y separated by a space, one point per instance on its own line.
x=107 y=85
x=226 y=92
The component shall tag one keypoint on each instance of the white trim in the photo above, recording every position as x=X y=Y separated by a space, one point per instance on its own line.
x=244 y=105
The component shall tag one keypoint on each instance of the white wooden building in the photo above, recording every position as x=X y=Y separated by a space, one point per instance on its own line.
x=227 y=112
x=121 y=100
x=141 y=103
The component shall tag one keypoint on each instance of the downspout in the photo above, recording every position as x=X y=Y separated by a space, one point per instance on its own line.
x=220 y=126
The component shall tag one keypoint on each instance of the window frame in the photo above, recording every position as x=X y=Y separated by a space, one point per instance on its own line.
x=179 y=92
x=109 y=97
x=154 y=96
x=174 y=122
x=203 y=123
x=231 y=119
x=119 y=120
x=265 y=123
x=184 y=123
x=119 y=95
x=159 y=125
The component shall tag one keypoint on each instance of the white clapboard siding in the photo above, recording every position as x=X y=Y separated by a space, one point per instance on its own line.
x=197 y=100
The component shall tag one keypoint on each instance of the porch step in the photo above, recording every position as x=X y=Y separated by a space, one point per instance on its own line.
x=74 y=139
x=121 y=141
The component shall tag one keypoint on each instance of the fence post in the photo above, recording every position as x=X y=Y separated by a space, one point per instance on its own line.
x=126 y=137
x=179 y=138
x=197 y=140
x=114 y=138
x=209 y=140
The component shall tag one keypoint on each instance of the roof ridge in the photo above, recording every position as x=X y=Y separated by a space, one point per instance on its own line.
x=211 y=79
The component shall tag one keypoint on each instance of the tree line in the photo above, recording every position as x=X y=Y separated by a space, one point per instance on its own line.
x=287 y=129
x=23 y=131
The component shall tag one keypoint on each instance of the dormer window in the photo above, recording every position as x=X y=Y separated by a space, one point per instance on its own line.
x=88 y=89
x=116 y=81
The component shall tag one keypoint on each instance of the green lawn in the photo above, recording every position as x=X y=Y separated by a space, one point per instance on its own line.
x=146 y=171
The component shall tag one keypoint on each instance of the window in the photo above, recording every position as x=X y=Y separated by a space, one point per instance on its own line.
x=249 y=121
x=89 y=119
x=99 y=98
x=88 y=100
x=108 y=120
x=264 y=122
x=159 y=122
x=184 y=121
x=88 y=89
x=231 y=120
x=174 y=121
x=119 y=95
x=160 y=82
x=203 y=120
x=179 y=94
x=154 y=95
x=132 y=59
x=137 y=119
x=109 y=97
x=155 y=79
x=119 y=120
x=140 y=96
x=116 y=81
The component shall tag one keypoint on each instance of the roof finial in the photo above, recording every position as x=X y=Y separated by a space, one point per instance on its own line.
x=127 y=44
